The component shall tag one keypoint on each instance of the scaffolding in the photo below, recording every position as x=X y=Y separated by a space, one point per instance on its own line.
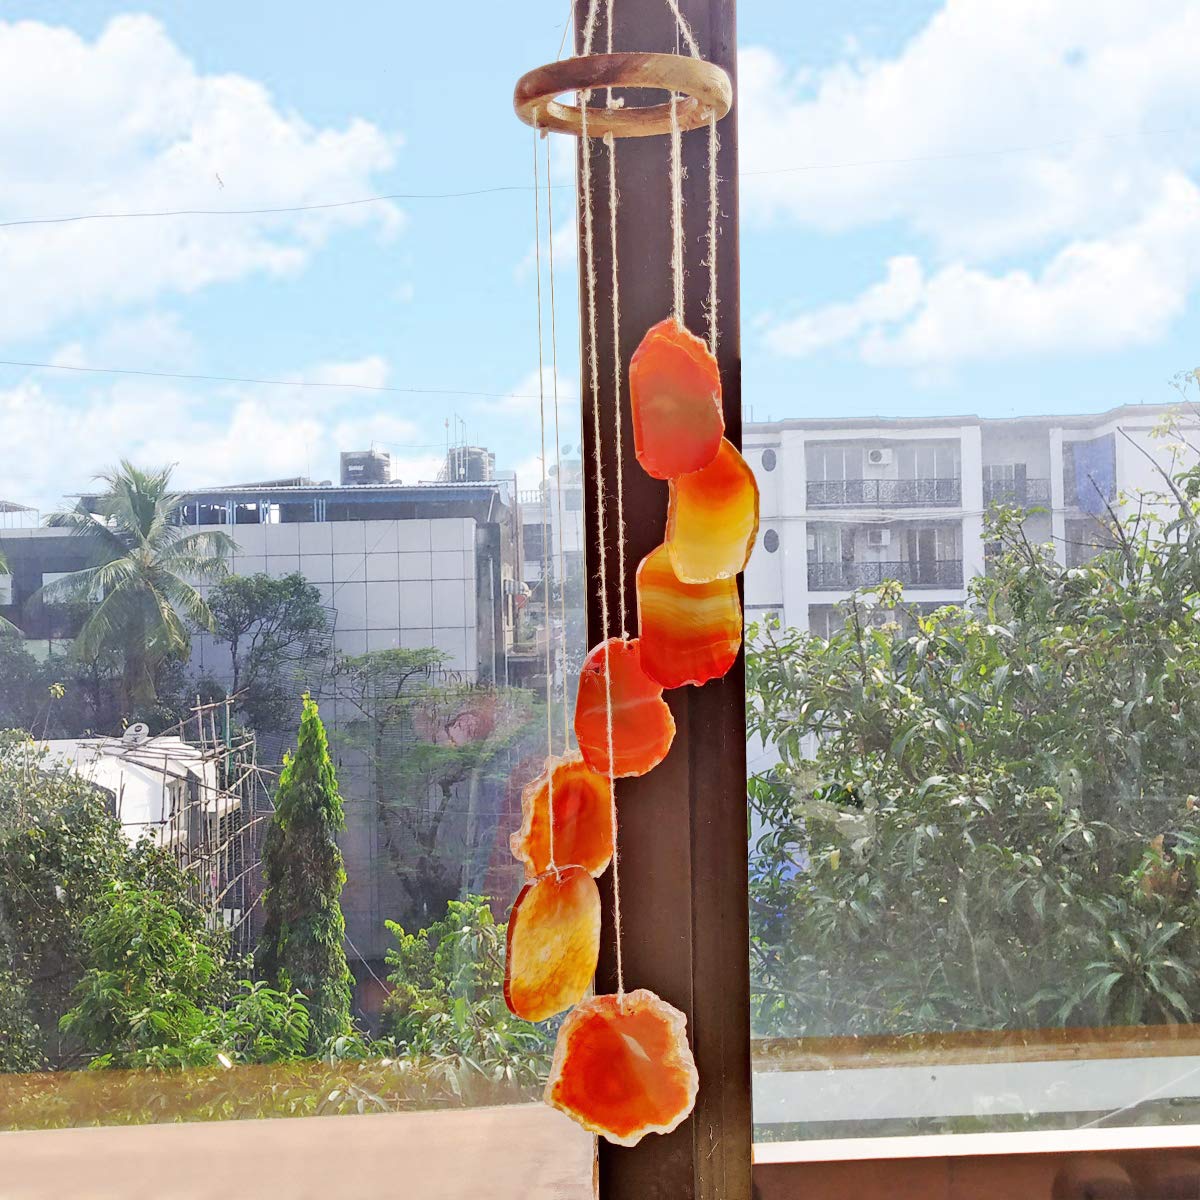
x=216 y=803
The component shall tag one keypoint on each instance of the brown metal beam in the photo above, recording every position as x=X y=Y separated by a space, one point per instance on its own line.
x=683 y=826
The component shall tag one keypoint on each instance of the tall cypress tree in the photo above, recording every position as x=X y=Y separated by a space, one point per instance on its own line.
x=301 y=945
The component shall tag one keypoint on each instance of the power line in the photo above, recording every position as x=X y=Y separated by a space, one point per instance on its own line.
x=952 y=156
x=301 y=383
x=256 y=212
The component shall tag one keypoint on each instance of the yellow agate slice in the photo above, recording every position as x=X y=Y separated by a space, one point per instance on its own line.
x=688 y=632
x=712 y=520
x=553 y=943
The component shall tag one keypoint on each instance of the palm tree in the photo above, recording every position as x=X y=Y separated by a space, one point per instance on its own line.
x=7 y=628
x=142 y=582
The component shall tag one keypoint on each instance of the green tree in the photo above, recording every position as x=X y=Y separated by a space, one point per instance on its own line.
x=301 y=946
x=61 y=850
x=157 y=993
x=447 y=1001
x=981 y=816
x=141 y=585
x=435 y=748
x=267 y=623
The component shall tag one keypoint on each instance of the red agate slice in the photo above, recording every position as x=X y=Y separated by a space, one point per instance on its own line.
x=642 y=725
x=690 y=632
x=553 y=943
x=675 y=398
x=713 y=519
x=582 y=818
x=623 y=1067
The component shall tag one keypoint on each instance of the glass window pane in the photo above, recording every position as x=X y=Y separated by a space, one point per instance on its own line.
x=973 y=834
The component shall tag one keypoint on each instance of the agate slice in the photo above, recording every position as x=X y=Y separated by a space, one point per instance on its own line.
x=642 y=725
x=675 y=399
x=623 y=1067
x=553 y=943
x=713 y=519
x=690 y=632
x=582 y=818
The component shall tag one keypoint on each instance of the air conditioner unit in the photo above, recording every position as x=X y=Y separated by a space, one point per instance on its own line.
x=877 y=539
x=881 y=456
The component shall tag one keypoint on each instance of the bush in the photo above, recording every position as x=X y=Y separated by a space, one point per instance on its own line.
x=447 y=1005
x=980 y=817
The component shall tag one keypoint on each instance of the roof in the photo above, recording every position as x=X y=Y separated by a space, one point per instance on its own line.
x=1063 y=421
x=139 y=773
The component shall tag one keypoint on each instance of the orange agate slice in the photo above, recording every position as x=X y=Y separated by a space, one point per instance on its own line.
x=713 y=519
x=623 y=1067
x=642 y=725
x=582 y=818
x=690 y=632
x=675 y=398
x=553 y=943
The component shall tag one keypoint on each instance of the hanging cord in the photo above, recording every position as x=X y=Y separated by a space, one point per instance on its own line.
x=558 y=470
x=590 y=256
x=676 y=212
x=684 y=30
x=546 y=602
x=713 y=146
x=611 y=143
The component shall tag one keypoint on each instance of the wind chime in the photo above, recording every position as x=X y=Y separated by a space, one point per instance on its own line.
x=622 y=1065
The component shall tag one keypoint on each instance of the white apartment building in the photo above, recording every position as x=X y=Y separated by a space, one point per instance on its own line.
x=850 y=503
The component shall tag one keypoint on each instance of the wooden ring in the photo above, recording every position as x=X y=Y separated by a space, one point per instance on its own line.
x=706 y=93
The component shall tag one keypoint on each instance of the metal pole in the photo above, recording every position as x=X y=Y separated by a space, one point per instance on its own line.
x=683 y=845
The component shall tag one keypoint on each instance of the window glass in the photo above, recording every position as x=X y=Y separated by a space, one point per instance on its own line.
x=974 y=835
x=288 y=592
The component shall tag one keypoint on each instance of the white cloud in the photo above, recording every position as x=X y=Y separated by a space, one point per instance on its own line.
x=1094 y=295
x=216 y=436
x=127 y=123
x=1039 y=160
x=1089 y=101
x=153 y=339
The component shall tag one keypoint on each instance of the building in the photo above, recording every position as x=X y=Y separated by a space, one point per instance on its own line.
x=552 y=534
x=192 y=795
x=397 y=566
x=848 y=503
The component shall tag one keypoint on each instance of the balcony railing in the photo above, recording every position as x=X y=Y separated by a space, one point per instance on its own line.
x=1021 y=492
x=923 y=573
x=884 y=493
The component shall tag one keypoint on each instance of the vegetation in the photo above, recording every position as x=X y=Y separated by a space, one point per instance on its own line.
x=439 y=751
x=141 y=588
x=64 y=859
x=267 y=624
x=157 y=993
x=449 y=1041
x=447 y=1003
x=303 y=929
x=994 y=829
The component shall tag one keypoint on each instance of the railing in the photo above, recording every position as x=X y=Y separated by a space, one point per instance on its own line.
x=884 y=493
x=923 y=573
x=1022 y=492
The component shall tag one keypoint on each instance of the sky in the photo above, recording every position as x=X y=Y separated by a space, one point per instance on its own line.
x=971 y=207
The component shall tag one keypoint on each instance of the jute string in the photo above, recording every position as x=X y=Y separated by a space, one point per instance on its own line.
x=601 y=515
x=693 y=47
x=537 y=255
x=558 y=471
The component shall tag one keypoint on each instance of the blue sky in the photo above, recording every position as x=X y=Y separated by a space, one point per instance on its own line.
x=997 y=212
